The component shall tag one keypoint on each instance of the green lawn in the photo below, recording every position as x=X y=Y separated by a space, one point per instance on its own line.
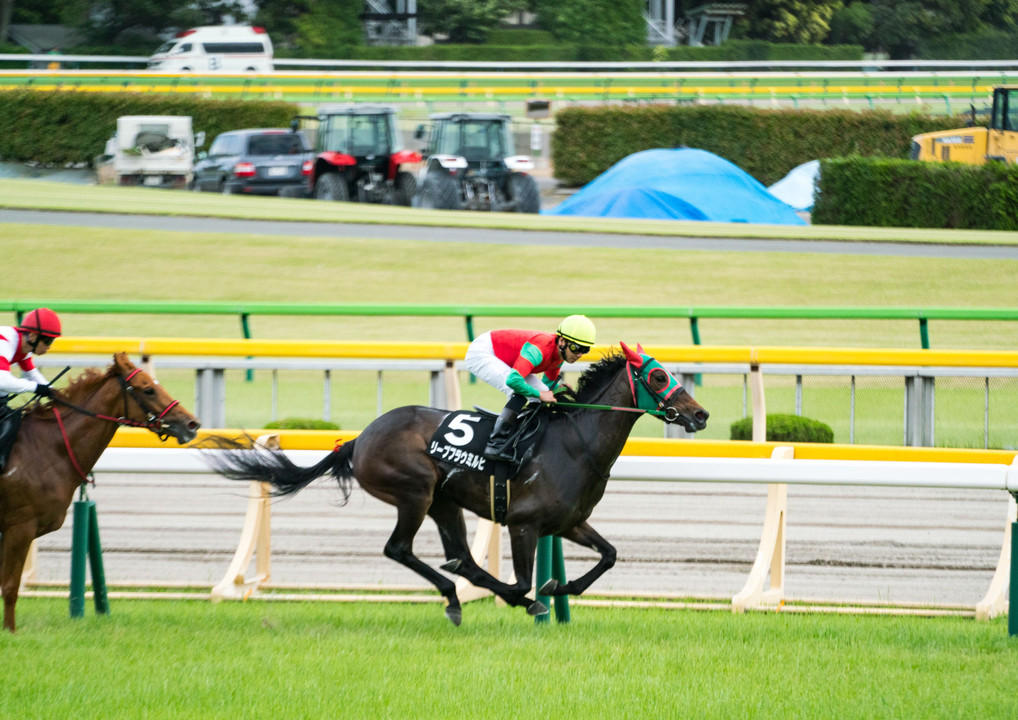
x=81 y=263
x=182 y=659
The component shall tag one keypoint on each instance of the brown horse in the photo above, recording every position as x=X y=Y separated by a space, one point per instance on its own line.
x=59 y=443
x=553 y=494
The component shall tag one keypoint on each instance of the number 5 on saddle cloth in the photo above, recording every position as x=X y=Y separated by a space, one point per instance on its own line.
x=461 y=438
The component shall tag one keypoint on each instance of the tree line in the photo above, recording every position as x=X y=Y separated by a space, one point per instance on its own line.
x=323 y=28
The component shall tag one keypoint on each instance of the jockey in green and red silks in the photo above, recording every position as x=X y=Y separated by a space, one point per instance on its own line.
x=511 y=360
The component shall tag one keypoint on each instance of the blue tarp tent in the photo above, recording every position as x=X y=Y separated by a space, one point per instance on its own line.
x=798 y=187
x=682 y=184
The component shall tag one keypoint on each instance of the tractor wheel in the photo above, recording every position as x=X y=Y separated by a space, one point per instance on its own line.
x=440 y=192
x=331 y=186
x=406 y=188
x=523 y=189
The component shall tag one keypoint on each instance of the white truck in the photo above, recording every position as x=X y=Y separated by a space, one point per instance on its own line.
x=150 y=150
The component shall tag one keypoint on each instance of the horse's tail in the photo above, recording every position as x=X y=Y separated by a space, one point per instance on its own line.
x=262 y=464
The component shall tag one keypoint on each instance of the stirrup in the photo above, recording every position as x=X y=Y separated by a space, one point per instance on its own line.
x=499 y=451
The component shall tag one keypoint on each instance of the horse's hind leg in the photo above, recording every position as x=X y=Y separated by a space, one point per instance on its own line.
x=586 y=536
x=453 y=530
x=400 y=547
x=14 y=545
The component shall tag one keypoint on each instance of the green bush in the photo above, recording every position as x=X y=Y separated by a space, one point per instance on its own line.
x=536 y=45
x=907 y=193
x=764 y=143
x=786 y=428
x=520 y=36
x=988 y=44
x=73 y=127
x=301 y=424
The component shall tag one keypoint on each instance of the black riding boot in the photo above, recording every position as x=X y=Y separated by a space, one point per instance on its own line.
x=505 y=427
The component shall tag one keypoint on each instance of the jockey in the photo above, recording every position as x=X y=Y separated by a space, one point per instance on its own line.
x=17 y=347
x=510 y=361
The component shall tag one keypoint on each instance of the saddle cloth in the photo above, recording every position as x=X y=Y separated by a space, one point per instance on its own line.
x=461 y=439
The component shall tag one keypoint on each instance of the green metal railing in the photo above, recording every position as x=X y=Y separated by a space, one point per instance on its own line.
x=694 y=314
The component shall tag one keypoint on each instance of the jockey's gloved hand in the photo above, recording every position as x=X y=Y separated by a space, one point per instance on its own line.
x=564 y=391
x=43 y=390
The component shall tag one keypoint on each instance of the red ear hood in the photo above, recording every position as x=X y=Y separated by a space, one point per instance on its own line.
x=631 y=356
x=639 y=348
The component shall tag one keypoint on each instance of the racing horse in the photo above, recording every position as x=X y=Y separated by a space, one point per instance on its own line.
x=554 y=492
x=59 y=443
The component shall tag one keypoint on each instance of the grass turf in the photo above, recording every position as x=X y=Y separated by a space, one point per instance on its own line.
x=173 y=659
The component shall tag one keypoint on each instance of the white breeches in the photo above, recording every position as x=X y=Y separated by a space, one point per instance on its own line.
x=481 y=361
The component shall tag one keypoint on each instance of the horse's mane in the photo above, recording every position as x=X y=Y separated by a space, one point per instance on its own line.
x=598 y=375
x=77 y=390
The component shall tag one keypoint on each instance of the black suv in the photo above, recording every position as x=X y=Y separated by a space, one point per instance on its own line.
x=265 y=161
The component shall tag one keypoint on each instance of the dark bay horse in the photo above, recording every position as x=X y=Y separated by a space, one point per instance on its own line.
x=59 y=443
x=553 y=494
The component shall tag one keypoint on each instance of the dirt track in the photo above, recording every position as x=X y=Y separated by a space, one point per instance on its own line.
x=870 y=544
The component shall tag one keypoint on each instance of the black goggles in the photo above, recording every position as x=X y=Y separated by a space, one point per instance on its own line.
x=577 y=349
x=46 y=339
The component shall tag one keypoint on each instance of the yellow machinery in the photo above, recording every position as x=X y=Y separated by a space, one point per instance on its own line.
x=976 y=145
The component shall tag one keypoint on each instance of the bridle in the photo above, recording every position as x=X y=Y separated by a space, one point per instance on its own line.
x=670 y=414
x=153 y=421
x=638 y=379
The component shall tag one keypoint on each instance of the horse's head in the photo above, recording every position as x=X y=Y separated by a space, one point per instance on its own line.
x=153 y=407
x=654 y=388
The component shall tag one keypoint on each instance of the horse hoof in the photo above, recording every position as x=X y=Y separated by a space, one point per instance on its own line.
x=452 y=566
x=549 y=587
x=537 y=608
x=455 y=615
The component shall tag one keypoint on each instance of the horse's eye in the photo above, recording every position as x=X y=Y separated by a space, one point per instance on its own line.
x=150 y=391
x=659 y=377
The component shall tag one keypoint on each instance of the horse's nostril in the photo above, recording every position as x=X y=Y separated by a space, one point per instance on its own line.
x=193 y=425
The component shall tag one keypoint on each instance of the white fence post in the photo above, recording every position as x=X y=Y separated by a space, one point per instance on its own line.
x=255 y=541
x=770 y=558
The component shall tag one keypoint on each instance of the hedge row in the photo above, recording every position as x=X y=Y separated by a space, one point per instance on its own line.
x=985 y=45
x=564 y=52
x=72 y=127
x=906 y=193
x=764 y=143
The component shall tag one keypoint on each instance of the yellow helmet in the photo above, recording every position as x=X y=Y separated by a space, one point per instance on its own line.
x=578 y=329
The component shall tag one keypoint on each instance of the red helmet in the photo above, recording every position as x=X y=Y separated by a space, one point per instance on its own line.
x=43 y=321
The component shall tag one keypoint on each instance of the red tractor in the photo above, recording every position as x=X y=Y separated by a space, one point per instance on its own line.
x=360 y=156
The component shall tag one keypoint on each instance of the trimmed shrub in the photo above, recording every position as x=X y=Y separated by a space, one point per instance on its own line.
x=301 y=424
x=909 y=193
x=764 y=143
x=535 y=45
x=73 y=127
x=786 y=428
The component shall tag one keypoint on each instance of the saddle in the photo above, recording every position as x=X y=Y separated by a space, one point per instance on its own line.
x=10 y=424
x=461 y=438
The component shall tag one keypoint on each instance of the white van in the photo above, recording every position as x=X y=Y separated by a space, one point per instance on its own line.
x=218 y=48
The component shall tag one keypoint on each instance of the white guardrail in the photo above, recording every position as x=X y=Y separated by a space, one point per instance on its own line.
x=755 y=66
x=764 y=588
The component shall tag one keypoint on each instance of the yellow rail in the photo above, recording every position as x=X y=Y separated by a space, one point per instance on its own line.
x=644 y=447
x=456 y=351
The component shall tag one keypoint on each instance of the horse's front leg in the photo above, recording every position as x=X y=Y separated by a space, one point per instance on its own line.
x=586 y=536
x=14 y=545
